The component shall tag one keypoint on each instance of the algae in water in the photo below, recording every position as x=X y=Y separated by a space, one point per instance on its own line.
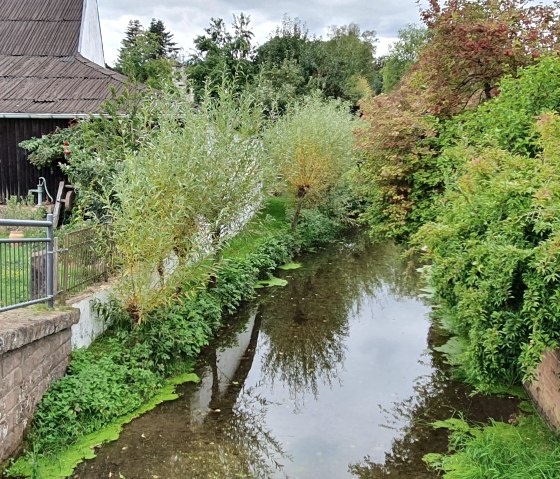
x=63 y=464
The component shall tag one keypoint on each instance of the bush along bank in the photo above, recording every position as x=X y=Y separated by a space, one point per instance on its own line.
x=494 y=270
x=123 y=373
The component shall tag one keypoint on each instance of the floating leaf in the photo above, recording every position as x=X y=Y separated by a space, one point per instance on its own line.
x=289 y=266
x=267 y=283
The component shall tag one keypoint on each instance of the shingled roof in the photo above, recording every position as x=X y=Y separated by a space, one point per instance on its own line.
x=43 y=68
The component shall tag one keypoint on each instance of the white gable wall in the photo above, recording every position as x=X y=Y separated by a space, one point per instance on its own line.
x=91 y=44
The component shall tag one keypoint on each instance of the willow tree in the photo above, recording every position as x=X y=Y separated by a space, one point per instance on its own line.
x=187 y=189
x=312 y=148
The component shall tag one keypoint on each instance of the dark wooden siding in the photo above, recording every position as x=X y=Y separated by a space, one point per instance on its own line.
x=17 y=175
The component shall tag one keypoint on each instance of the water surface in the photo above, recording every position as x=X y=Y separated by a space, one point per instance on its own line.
x=331 y=376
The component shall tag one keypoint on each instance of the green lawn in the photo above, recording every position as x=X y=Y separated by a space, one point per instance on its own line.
x=15 y=274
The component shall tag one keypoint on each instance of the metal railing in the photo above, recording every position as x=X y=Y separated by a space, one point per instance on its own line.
x=36 y=270
x=82 y=261
x=27 y=266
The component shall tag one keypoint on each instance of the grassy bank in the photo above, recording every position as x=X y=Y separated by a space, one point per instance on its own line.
x=126 y=368
x=523 y=449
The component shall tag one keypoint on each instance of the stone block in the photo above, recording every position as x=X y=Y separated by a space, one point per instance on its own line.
x=12 y=380
x=34 y=350
x=545 y=389
x=11 y=400
x=9 y=361
x=24 y=326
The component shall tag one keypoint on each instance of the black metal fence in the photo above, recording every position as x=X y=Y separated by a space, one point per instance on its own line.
x=26 y=264
x=83 y=259
x=41 y=268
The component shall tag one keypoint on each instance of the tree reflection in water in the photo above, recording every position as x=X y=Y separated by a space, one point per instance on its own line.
x=306 y=322
x=239 y=444
x=242 y=445
x=436 y=397
x=297 y=343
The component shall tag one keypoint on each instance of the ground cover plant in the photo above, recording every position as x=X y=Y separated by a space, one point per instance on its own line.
x=526 y=449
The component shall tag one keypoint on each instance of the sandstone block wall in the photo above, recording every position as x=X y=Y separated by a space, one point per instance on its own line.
x=34 y=351
x=545 y=389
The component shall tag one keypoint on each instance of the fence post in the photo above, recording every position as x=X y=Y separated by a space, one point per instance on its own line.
x=65 y=273
x=50 y=261
x=56 y=280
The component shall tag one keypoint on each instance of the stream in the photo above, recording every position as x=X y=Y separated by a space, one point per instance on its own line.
x=332 y=376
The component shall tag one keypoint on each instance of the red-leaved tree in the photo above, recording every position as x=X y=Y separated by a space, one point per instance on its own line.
x=475 y=43
x=472 y=45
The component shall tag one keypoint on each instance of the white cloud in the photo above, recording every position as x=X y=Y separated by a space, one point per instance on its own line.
x=186 y=20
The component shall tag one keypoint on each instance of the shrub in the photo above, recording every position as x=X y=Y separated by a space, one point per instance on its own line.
x=184 y=193
x=311 y=146
x=494 y=250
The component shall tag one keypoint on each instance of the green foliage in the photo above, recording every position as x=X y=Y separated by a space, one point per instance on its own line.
x=49 y=149
x=93 y=149
x=347 y=66
x=189 y=187
x=222 y=54
x=24 y=209
x=507 y=121
x=108 y=383
x=494 y=253
x=147 y=56
x=526 y=450
x=174 y=335
x=315 y=227
x=97 y=389
x=61 y=466
x=292 y=64
x=405 y=147
x=402 y=55
x=166 y=46
x=400 y=173
x=311 y=146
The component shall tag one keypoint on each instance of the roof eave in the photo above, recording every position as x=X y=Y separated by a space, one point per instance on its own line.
x=47 y=116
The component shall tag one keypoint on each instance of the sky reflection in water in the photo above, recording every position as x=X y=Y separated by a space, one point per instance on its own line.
x=328 y=377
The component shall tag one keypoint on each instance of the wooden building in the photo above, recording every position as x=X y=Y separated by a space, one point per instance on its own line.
x=52 y=71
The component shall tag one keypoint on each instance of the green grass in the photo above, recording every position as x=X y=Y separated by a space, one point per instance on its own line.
x=271 y=219
x=525 y=450
x=15 y=268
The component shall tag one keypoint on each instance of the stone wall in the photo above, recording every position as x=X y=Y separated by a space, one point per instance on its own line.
x=545 y=389
x=35 y=348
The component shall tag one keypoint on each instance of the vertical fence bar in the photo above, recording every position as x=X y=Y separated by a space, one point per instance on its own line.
x=50 y=260
x=65 y=254
x=28 y=265
x=56 y=285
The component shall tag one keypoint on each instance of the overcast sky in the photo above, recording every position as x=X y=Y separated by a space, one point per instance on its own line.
x=187 y=18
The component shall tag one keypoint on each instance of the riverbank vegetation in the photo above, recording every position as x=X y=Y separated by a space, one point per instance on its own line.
x=198 y=215
x=456 y=153
x=127 y=366
x=525 y=450
x=460 y=160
